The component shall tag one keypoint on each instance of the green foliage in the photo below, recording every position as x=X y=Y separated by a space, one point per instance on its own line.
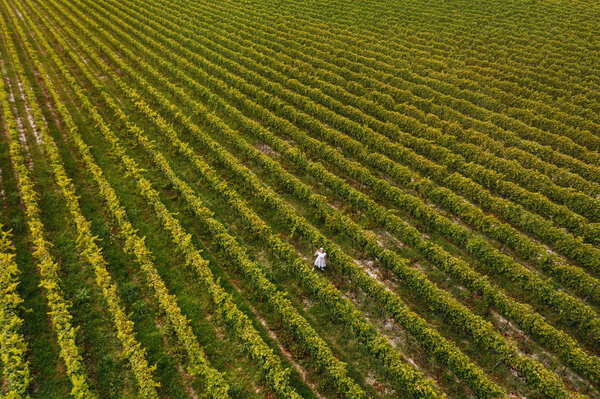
x=391 y=110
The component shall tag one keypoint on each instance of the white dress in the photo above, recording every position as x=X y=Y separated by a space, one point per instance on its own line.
x=320 y=261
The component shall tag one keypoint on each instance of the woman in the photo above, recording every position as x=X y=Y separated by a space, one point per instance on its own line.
x=320 y=261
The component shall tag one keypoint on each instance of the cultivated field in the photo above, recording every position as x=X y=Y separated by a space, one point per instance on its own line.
x=169 y=168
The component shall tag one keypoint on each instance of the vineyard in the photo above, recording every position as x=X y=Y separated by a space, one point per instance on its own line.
x=169 y=168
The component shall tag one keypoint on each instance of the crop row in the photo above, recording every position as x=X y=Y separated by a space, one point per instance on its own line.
x=276 y=375
x=425 y=104
x=59 y=307
x=438 y=58
x=341 y=309
x=408 y=203
x=134 y=244
x=294 y=322
x=407 y=123
x=195 y=107
x=568 y=50
x=522 y=315
x=563 y=79
x=558 y=81
x=586 y=256
x=274 y=49
x=15 y=365
x=477 y=104
x=565 y=242
x=322 y=44
x=284 y=251
x=468 y=152
x=571 y=276
x=86 y=242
